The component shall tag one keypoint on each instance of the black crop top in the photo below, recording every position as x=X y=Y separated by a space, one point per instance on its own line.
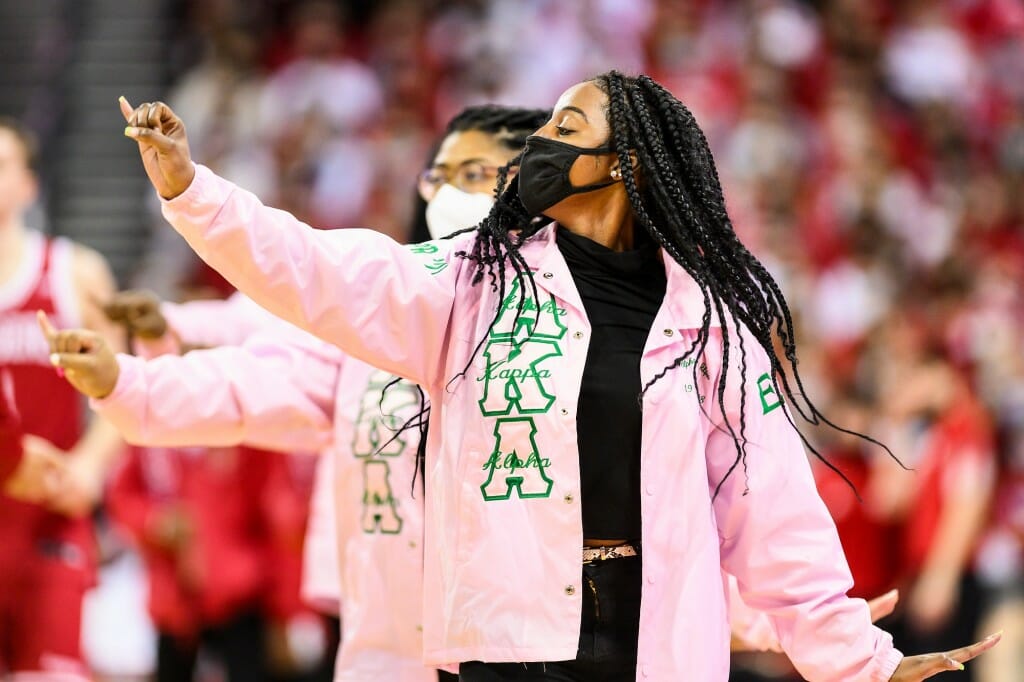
x=621 y=292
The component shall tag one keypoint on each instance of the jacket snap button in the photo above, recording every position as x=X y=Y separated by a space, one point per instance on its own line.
x=669 y=332
x=568 y=498
x=548 y=275
x=564 y=412
x=412 y=544
x=577 y=335
x=570 y=590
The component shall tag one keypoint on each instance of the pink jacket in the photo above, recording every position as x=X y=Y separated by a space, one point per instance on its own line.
x=289 y=391
x=503 y=524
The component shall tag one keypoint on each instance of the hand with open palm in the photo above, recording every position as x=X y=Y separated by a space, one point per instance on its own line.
x=916 y=668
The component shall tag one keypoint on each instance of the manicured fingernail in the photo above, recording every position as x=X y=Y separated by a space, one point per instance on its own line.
x=122 y=99
x=54 y=359
x=129 y=131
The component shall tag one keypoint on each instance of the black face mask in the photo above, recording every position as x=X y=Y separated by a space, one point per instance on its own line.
x=544 y=173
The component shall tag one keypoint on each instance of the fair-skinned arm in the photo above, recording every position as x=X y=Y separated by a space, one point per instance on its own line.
x=381 y=302
x=779 y=541
x=270 y=393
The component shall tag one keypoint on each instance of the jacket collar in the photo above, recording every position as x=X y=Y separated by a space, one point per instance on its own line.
x=683 y=297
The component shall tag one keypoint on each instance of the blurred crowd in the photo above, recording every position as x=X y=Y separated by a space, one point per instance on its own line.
x=873 y=158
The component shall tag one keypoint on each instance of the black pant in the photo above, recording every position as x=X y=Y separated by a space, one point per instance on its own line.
x=238 y=645
x=608 y=633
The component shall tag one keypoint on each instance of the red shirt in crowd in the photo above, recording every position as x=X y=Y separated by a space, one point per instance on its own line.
x=869 y=543
x=46 y=405
x=219 y=569
x=959 y=452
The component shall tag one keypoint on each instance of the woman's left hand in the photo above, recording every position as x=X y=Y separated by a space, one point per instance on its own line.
x=916 y=668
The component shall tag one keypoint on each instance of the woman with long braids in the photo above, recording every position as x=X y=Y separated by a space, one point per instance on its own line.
x=603 y=379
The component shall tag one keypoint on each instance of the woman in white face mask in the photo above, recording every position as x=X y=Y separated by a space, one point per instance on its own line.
x=458 y=186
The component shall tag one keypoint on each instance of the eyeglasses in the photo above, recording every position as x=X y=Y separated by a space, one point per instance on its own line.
x=471 y=176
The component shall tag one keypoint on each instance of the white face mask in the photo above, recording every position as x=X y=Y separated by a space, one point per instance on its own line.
x=451 y=210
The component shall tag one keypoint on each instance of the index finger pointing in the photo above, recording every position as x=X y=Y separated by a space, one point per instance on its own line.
x=49 y=331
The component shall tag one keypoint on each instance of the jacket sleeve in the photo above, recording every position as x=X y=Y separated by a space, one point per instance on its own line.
x=780 y=543
x=266 y=394
x=383 y=303
x=216 y=323
x=207 y=324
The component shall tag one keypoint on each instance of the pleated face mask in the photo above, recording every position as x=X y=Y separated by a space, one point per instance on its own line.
x=452 y=210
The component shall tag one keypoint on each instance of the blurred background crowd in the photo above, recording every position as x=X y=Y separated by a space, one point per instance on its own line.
x=873 y=157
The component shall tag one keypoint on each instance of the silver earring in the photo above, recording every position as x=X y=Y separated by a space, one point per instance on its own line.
x=615 y=174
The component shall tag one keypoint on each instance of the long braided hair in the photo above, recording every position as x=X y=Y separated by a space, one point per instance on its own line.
x=677 y=198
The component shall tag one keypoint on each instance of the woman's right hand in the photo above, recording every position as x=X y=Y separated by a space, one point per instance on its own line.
x=162 y=145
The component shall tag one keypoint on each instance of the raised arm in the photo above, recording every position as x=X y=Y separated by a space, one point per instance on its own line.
x=160 y=327
x=268 y=393
x=209 y=324
x=381 y=302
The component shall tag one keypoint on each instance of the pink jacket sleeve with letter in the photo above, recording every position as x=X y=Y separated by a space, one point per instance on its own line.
x=779 y=541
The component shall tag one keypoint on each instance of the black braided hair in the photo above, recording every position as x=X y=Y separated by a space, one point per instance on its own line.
x=677 y=198
x=509 y=125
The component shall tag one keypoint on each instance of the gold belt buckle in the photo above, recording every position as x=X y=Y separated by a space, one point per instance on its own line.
x=592 y=554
